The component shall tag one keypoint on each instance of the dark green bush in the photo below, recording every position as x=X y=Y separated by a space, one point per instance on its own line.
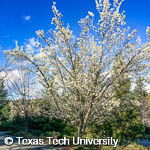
x=51 y=126
x=18 y=120
x=36 y=132
x=147 y=130
x=40 y=126
x=45 y=124
x=8 y=125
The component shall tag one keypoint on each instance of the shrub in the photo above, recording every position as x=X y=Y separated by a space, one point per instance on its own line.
x=147 y=130
x=8 y=125
x=126 y=127
x=50 y=126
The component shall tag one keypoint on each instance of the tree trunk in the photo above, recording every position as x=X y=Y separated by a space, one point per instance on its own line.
x=81 y=125
x=83 y=122
x=26 y=122
x=80 y=129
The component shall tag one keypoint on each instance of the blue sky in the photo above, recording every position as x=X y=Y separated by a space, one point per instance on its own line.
x=20 y=19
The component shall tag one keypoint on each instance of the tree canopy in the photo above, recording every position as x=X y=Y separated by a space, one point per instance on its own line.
x=78 y=72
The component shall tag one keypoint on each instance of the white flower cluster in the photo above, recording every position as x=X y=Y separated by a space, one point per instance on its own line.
x=148 y=33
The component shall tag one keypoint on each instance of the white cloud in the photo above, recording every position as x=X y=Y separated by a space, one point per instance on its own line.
x=31 y=43
x=27 y=18
x=10 y=76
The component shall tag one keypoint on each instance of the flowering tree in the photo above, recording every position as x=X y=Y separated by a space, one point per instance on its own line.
x=78 y=72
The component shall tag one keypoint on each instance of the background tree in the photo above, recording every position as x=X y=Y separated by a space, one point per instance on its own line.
x=21 y=90
x=78 y=72
x=4 y=108
x=141 y=94
x=126 y=121
x=3 y=92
